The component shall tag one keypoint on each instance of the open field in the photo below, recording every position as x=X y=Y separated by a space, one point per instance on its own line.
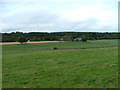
x=92 y=43
x=87 y=68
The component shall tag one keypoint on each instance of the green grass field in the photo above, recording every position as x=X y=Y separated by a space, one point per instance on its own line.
x=87 y=68
x=92 y=43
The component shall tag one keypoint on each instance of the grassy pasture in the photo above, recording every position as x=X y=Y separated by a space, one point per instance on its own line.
x=88 y=68
x=92 y=43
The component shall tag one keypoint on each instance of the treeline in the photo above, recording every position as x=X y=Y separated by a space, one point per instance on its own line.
x=58 y=36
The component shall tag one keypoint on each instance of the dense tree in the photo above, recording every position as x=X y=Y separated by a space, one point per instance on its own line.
x=84 y=40
x=22 y=39
x=65 y=36
x=68 y=38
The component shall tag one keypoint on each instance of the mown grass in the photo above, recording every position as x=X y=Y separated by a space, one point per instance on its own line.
x=91 y=43
x=88 y=68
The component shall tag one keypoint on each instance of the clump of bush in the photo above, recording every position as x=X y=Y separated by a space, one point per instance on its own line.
x=55 y=48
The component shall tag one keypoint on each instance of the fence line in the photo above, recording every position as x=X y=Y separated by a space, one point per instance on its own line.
x=58 y=48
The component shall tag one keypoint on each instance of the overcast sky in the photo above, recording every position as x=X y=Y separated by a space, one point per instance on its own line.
x=59 y=15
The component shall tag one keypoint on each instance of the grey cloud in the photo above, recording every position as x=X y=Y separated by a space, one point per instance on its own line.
x=60 y=25
x=45 y=20
x=33 y=17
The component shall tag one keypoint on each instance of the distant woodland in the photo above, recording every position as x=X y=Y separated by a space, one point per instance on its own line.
x=58 y=36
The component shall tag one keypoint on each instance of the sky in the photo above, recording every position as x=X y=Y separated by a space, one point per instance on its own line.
x=59 y=15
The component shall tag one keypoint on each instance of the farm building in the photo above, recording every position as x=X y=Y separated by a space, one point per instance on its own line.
x=78 y=39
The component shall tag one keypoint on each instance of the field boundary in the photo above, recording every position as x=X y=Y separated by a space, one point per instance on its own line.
x=89 y=47
x=58 y=48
